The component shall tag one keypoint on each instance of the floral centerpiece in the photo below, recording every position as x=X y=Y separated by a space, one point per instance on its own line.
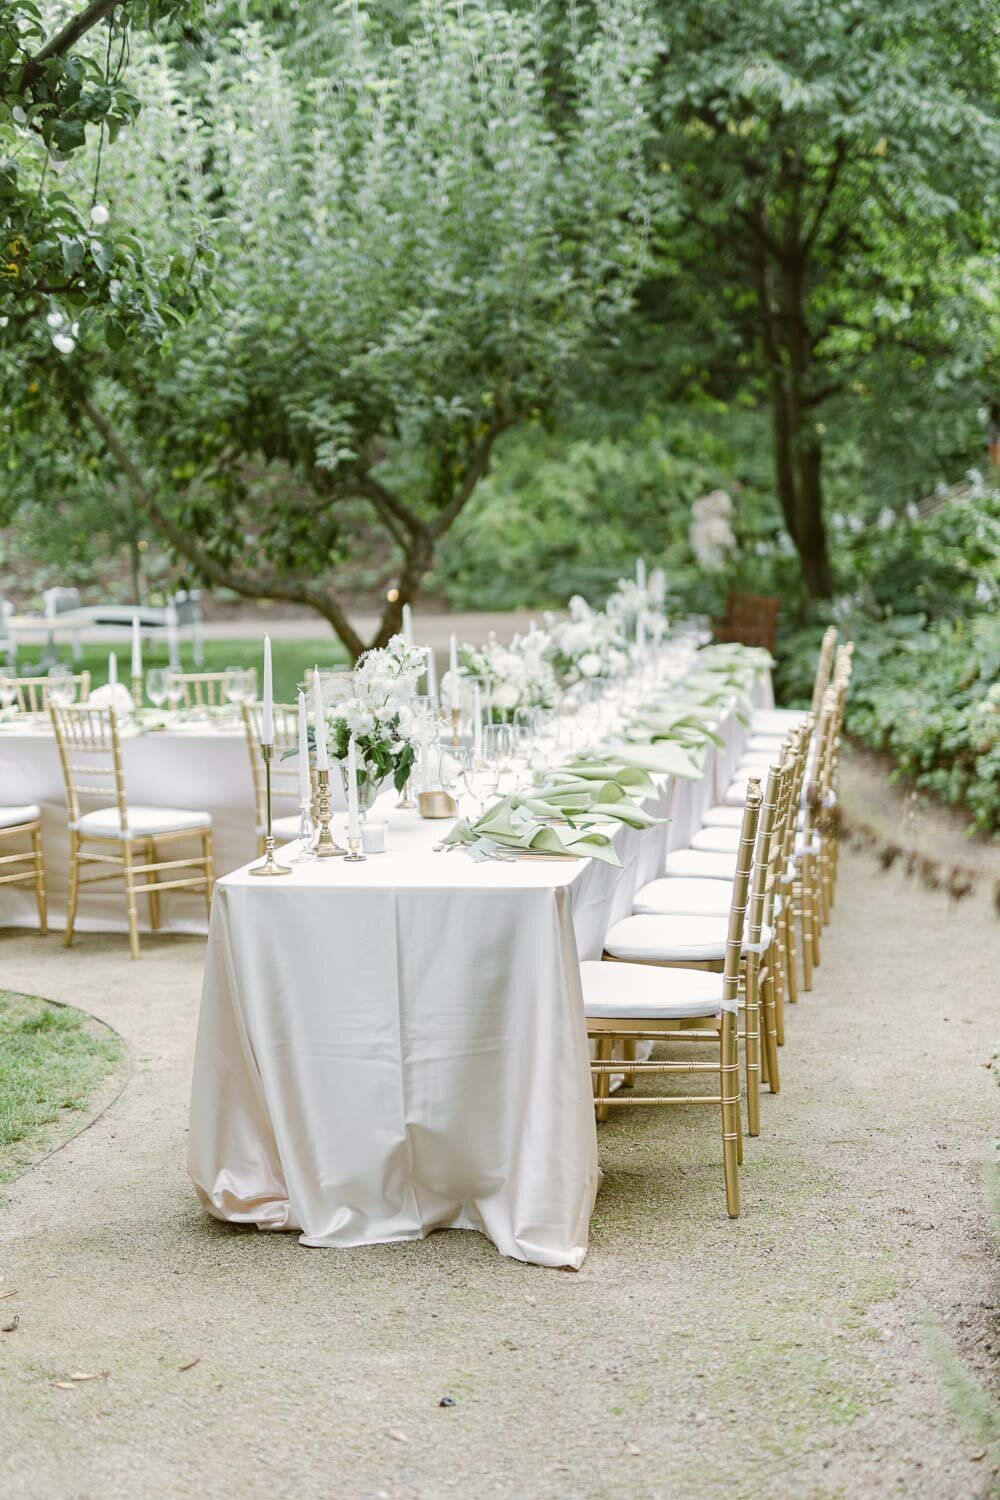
x=516 y=676
x=374 y=703
x=633 y=602
x=586 y=647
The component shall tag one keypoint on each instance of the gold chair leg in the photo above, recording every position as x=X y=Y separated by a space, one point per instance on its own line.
x=36 y=847
x=751 y=1045
x=604 y=1048
x=776 y=969
x=729 y=1091
x=628 y=1055
x=206 y=854
x=133 y=915
x=807 y=923
x=793 y=977
x=769 y=1017
x=154 y=899
x=74 y=886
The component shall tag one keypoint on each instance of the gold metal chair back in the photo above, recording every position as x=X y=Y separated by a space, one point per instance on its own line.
x=201 y=689
x=91 y=758
x=823 y=669
x=284 y=773
x=33 y=692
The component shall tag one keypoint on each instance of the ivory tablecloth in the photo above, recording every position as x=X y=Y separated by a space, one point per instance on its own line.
x=399 y=1046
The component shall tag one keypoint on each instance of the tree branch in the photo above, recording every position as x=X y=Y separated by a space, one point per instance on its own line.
x=92 y=15
x=473 y=474
x=389 y=505
x=836 y=166
x=291 y=591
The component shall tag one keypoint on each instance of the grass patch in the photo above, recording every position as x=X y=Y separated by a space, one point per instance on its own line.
x=51 y=1059
x=289 y=659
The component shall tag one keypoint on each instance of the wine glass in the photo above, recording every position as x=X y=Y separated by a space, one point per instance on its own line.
x=249 y=684
x=498 y=757
x=61 y=687
x=156 y=686
x=234 y=685
x=452 y=763
x=174 y=689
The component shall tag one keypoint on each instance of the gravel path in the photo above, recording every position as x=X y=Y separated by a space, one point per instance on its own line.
x=691 y=1358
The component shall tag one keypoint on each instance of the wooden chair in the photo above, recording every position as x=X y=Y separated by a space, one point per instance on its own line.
x=632 y=1002
x=33 y=692
x=90 y=754
x=284 y=773
x=25 y=866
x=751 y=619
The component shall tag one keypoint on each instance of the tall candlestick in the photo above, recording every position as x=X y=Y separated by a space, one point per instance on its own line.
x=353 y=818
x=267 y=717
x=407 y=625
x=136 y=648
x=453 y=662
x=305 y=785
x=112 y=669
x=432 y=681
x=322 y=754
x=640 y=572
x=268 y=865
x=477 y=723
x=173 y=642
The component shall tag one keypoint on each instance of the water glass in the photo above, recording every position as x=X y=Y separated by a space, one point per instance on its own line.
x=156 y=686
x=234 y=685
x=174 y=688
x=61 y=687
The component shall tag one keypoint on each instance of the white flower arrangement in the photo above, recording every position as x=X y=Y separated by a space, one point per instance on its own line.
x=374 y=703
x=633 y=602
x=516 y=676
x=586 y=647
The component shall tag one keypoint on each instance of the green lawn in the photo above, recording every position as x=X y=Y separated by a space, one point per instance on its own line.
x=289 y=658
x=51 y=1059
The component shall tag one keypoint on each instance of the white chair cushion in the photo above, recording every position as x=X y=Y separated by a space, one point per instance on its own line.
x=700 y=865
x=756 y=760
x=634 y=991
x=776 y=720
x=668 y=939
x=27 y=812
x=723 y=817
x=717 y=840
x=694 y=898
x=143 y=822
x=765 y=742
x=736 y=795
x=806 y=846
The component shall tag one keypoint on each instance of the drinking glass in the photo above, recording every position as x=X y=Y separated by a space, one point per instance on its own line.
x=499 y=759
x=234 y=685
x=61 y=687
x=174 y=688
x=249 y=684
x=156 y=686
x=451 y=770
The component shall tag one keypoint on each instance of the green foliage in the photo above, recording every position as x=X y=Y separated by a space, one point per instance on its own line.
x=51 y=1058
x=926 y=686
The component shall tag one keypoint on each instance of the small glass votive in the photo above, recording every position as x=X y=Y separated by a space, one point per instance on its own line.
x=374 y=835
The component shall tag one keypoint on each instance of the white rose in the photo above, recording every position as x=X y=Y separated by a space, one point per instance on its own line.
x=590 y=664
x=505 y=696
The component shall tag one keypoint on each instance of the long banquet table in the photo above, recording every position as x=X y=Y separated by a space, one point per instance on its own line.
x=399 y=1046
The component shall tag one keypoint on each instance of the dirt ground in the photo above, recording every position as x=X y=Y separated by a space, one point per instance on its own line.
x=796 y=1352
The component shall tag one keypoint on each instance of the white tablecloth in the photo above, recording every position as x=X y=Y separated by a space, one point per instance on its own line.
x=203 y=768
x=399 y=1046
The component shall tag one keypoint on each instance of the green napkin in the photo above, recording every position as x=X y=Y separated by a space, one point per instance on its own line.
x=506 y=829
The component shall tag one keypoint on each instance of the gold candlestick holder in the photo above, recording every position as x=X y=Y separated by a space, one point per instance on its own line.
x=326 y=846
x=269 y=865
x=456 y=719
x=136 y=692
x=354 y=855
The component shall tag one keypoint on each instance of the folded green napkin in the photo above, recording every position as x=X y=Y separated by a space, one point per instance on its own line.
x=665 y=758
x=507 y=829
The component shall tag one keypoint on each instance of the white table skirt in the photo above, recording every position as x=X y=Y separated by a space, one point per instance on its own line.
x=400 y=1046
x=202 y=769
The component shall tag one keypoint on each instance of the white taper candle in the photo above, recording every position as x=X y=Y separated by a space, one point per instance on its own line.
x=305 y=785
x=407 y=625
x=112 y=669
x=640 y=572
x=136 y=648
x=322 y=755
x=432 y=680
x=267 y=717
x=353 y=820
x=477 y=722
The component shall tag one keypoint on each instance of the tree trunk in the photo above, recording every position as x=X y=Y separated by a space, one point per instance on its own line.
x=809 y=534
x=811 y=537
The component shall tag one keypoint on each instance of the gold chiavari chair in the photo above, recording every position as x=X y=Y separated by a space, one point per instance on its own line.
x=24 y=866
x=284 y=774
x=33 y=692
x=679 y=940
x=90 y=754
x=767 y=725
x=629 y=1002
x=201 y=689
